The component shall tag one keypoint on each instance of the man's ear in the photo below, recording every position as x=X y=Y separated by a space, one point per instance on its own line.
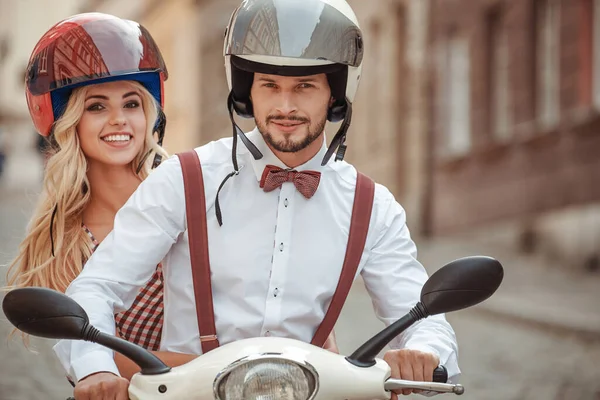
x=336 y=110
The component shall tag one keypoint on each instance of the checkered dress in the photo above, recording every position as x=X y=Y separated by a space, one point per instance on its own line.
x=142 y=323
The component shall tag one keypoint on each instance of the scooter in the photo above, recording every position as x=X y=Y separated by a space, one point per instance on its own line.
x=268 y=368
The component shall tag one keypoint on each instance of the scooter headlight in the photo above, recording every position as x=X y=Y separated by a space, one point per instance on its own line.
x=267 y=378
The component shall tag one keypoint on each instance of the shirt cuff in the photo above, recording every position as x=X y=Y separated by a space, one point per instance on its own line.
x=62 y=349
x=92 y=363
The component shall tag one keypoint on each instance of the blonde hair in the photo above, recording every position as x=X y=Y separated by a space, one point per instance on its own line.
x=66 y=189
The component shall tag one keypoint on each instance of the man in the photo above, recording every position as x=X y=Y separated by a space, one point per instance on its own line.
x=276 y=249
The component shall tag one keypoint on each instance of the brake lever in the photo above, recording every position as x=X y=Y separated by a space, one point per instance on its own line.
x=395 y=384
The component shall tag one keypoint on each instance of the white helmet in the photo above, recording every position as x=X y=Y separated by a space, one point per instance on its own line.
x=294 y=38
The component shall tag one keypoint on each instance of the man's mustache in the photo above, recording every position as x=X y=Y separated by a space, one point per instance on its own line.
x=287 y=118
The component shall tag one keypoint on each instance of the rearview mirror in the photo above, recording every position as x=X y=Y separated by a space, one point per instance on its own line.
x=45 y=313
x=461 y=284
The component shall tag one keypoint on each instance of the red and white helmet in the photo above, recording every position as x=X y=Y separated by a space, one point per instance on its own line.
x=87 y=49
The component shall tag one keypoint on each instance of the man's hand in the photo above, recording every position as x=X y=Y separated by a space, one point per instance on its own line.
x=102 y=386
x=412 y=365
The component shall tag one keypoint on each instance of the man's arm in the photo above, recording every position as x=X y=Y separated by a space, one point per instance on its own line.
x=394 y=278
x=144 y=231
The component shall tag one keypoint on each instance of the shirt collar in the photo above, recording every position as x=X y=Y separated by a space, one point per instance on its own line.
x=269 y=158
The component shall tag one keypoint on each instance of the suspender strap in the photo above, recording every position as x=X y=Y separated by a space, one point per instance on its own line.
x=195 y=207
x=359 y=227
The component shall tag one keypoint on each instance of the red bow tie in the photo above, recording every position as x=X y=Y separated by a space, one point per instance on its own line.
x=305 y=181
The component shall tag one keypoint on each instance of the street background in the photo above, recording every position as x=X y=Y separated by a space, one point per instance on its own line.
x=480 y=115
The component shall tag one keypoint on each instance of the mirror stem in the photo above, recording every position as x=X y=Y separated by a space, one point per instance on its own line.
x=148 y=362
x=365 y=355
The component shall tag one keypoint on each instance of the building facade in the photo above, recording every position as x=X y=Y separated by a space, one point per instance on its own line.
x=514 y=90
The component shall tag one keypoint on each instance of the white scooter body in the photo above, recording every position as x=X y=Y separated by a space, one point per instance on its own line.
x=336 y=377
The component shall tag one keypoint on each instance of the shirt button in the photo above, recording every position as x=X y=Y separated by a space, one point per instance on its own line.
x=275 y=292
x=280 y=246
x=285 y=202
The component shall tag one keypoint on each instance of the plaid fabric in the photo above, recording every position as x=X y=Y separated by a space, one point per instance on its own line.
x=142 y=323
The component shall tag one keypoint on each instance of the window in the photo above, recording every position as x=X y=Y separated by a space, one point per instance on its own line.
x=454 y=100
x=547 y=43
x=43 y=66
x=4 y=48
x=585 y=48
x=595 y=52
x=498 y=75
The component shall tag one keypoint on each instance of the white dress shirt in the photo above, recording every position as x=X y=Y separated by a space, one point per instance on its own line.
x=275 y=262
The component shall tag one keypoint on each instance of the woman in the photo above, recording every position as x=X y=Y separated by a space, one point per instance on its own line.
x=94 y=88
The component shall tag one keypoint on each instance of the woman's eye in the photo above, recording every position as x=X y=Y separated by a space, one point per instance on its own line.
x=95 y=107
x=132 y=104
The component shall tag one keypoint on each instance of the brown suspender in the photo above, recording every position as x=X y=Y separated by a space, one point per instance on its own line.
x=195 y=208
x=195 y=205
x=359 y=227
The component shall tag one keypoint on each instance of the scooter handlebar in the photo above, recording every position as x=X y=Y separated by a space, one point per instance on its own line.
x=440 y=374
x=440 y=377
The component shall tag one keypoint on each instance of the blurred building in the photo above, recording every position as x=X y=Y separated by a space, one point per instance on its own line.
x=514 y=134
x=477 y=114
x=387 y=138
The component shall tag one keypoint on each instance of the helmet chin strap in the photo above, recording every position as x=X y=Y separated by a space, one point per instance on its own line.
x=339 y=140
x=159 y=128
x=161 y=125
x=237 y=132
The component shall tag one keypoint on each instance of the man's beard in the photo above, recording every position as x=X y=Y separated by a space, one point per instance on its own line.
x=286 y=145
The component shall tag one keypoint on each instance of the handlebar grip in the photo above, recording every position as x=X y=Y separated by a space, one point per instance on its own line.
x=440 y=374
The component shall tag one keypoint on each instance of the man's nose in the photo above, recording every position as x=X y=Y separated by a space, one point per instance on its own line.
x=286 y=104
